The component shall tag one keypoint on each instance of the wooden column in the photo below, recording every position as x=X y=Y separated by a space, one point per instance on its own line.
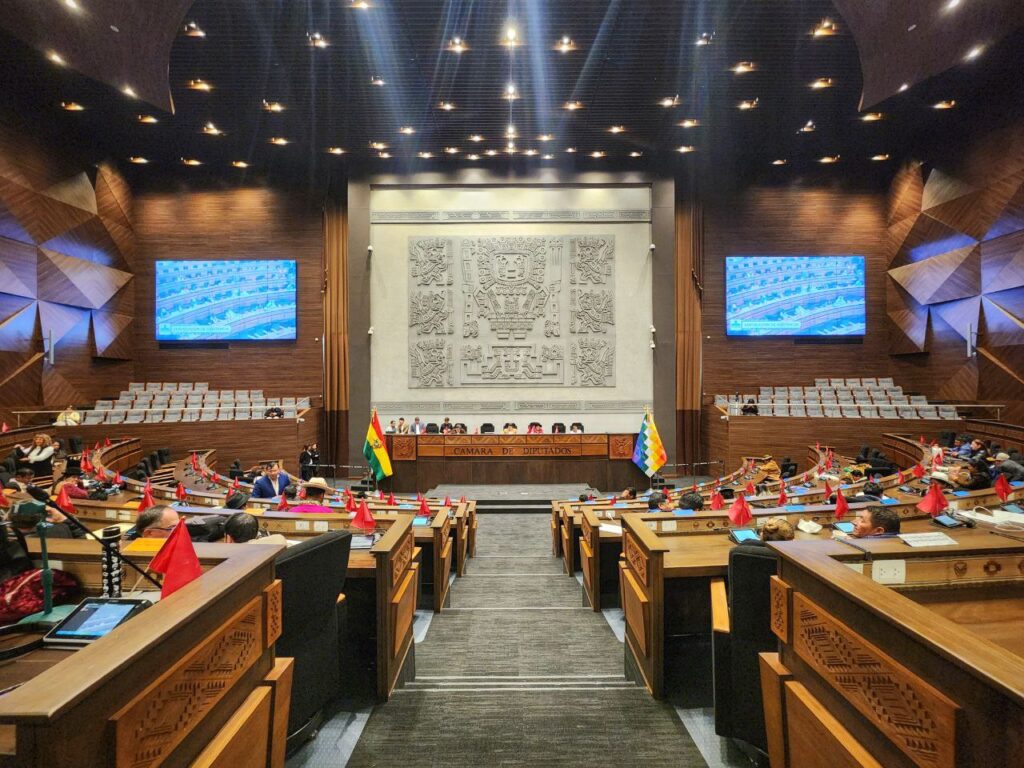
x=336 y=368
x=689 y=300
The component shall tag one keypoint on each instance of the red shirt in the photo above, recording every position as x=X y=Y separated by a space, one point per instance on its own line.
x=319 y=508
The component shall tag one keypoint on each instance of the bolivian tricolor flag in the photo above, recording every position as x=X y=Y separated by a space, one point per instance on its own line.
x=375 y=450
x=649 y=453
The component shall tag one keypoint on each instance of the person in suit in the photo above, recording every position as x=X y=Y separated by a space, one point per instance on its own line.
x=417 y=427
x=392 y=428
x=271 y=483
x=308 y=460
x=1004 y=465
x=875 y=521
x=403 y=428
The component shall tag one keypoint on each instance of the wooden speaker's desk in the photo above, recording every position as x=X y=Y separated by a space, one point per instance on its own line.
x=192 y=679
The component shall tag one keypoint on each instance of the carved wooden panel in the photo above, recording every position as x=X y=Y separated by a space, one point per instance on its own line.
x=403 y=607
x=620 y=446
x=272 y=612
x=149 y=727
x=401 y=558
x=636 y=557
x=913 y=715
x=403 y=448
x=780 y=592
x=815 y=737
x=586 y=558
x=637 y=609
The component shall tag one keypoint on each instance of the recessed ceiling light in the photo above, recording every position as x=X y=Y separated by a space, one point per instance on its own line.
x=212 y=130
x=951 y=5
x=472 y=157
x=828 y=159
x=72 y=5
x=317 y=40
x=361 y=5
x=425 y=155
x=377 y=80
x=451 y=150
x=447 y=106
x=239 y=164
x=597 y=154
x=190 y=161
x=780 y=161
x=510 y=37
x=545 y=137
x=947 y=104
x=827 y=28
x=903 y=87
x=571 y=150
x=565 y=44
x=71 y=106
x=192 y=30
x=822 y=83
x=457 y=45
x=617 y=129
x=510 y=148
x=491 y=152
x=634 y=153
x=384 y=155
x=705 y=38
x=408 y=130
x=686 y=149
x=200 y=85
x=530 y=152
x=808 y=127
x=670 y=101
x=335 y=151
x=872 y=117
x=378 y=145
x=510 y=92
x=748 y=104
x=279 y=141
x=547 y=157
x=880 y=158
x=273 y=106
x=147 y=119
x=476 y=137
x=129 y=92
x=56 y=58
x=743 y=67
x=572 y=106
x=689 y=123
x=974 y=53
x=138 y=160
x=510 y=131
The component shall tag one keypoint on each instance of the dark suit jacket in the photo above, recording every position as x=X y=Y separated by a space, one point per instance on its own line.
x=264 y=489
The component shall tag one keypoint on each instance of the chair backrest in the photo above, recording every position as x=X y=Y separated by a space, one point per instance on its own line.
x=486 y=428
x=136 y=386
x=918 y=400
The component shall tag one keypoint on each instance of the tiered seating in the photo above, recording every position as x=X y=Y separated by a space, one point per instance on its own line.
x=153 y=403
x=861 y=398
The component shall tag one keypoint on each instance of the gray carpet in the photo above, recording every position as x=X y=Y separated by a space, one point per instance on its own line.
x=525 y=492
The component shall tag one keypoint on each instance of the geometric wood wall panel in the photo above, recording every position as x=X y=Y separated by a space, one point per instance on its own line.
x=952 y=275
x=17 y=268
x=92 y=241
x=962 y=316
x=997 y=381
x=57 y=391
x=941 y=188
x=905 y=193
x=112 y=335
x=113 y=196
x=926 y=238
x=1002 y=262
x=43 y=217
x=1011 y=218
x=76 y=191
x=17 y=324
x=961 y=385
x=59 y=319
x=78 y=282
x=1004 y=325
x=908 y=322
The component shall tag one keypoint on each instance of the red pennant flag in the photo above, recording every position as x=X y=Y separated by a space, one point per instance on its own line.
x=302 y=492
x=391 y=499
x=106 y=442
x=918 y=471
x=380 y=494
x=180 y=493
x=85 y=464
x=739 y=512
x=350 y=504
x=750 y=490
x=1002 y=487
x=827 y=490
x=424 y=509
x=4 y=503
x=4 y=427
x=817 y=446
x=118 y=479
x=933 y=502
x=363 y=519
x=447 y=501
x=282 y=504
x=921 y=439
x=100 y=474
x=828 y=460
x=419 y=496
x=147 y=499
x=717 y=500
x=782 y=496
x=177 y=561
x=236 y=485
x=64 y=501
x=216 y=477
x=195 y=461
x=96 y=447
x=936 y=463
x=693 y=488
x=348 y=493
x=148 y=486
x=842 y=507
x=462 y=500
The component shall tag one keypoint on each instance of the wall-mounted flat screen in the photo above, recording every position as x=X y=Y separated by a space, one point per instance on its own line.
x=225 y=300
x=794 y=296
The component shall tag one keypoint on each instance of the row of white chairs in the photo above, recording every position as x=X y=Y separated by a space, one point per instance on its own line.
x=155 y=386
x=865 y=381
x=847 y=399
x=198 y=401
x=172 y=415
x=830 y=411
x=894 y=390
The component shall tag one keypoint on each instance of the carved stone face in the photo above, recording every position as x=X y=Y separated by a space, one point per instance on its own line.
x=511 y=267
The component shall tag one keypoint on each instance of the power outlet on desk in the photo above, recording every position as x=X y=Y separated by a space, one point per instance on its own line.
x=889 y=571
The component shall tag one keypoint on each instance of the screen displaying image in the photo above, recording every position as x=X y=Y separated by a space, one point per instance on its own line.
x=95 y=619
x=225 y=300
x=794 y=296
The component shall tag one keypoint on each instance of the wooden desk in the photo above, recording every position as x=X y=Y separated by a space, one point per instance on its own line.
x=118 y=701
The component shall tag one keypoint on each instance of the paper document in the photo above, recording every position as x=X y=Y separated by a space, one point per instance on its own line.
x=928 y=539
x=615 y=529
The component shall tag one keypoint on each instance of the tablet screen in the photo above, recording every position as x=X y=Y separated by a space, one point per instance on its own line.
x=94 y=620
x=744 y=534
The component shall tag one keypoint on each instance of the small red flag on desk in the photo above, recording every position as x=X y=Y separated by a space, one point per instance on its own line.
x=842 y=506
x=921 y=440
x=195 y=461
x=827 y=490
x=363 y=519
x=783 y=498
x=180 y=493
x=302 y=492
x=106 y=442
x=817 y=446
x=900 y=477
x=97 y=446
x=828 y=460
x=100 y=474
x=391 y=499
x=419 y=496
x=350 y=504
x=739 y=512
x=462 y=500
x=4 y=427
x=424 y=508
x=717 y=500
x=176 y=560
x=64 y=501
x=147 y=499
x=215 y=478
x=933 y=502
x=380 y=494
x=750 y=490
x=348 y=492
x=236 y=485
x=447 y=501
x=1002 y=487
x=118 y=479
x=918 y=471
x=85 y=464
x=282 y=504
x=4 y=501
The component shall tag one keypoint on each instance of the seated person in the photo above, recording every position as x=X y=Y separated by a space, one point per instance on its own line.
x=973 y=477
x=979 y=449
x=875 y=521
x=69 y=417
x=510 y=429
x=22 y=480
x=154 y=523
x=576 y=428
x=392 y=428
x=27 y=514
x=72 y=484
x=534 y=428
x=315 y=488
x=583 y=497
x=691 y=500
x=38 y=456
x=629 y=493
x=272 y=482
x=869 y=492
x=772 y=529
x=236 y=500
x=749 y=408
x=291 y=492
x=1004 y=465
x=241 y=527
x=273 y=412
x=58 y=451
x=659 y=502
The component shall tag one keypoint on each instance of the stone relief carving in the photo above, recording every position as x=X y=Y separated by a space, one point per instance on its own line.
x=514 y=363
x=591 y=311
x=430 y=260
x=431 y=313
x=511 y=292
x=590 y=260
x=593 y=362
x=430 y=363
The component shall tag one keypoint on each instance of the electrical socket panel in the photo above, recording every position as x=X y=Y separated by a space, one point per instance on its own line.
x=889 y=571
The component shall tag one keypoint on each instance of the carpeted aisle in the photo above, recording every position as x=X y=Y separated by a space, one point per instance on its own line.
x=517 y=673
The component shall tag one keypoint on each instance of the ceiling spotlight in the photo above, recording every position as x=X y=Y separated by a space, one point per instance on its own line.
x=239 y=164
x=472 y=157
x=565 y=44
x=689 y=123
x=879 y=158
x=685 y=150
x=572 y=106
x=212 y=130
x=56 y=58
x=476 y=137
x=827 y=28
x=451 y=150
x=670 y=101
x=316 y=40
x=491 y=152
x=72 y=5
x=808 y=127
x=335 y=151
x=457 y=45
x=547 y=157
x=137 y=160
x=129 y=92
x=597 y=154
x=510 y=131
x=447 y=106
x=147 y=119
x=378 y=145
x=510 y=37
x=510 y=92
x=273 y=106
x=190 y=161
x=377 y=80
x=780 y=161
x=279 y=141
x=530 y=152
x=821 y=83
x=510 y=148
x=828 y=159
x=947 y=104
x=384 y=155
x=705 y=38
x=71 y=106
x=951 y=5
x=545 y=137
x=571 y=150
x=903 y=87
x=634 y=153
x=617 y=129
x=871 y=117
x=748 y=104
x=425 y=155
x=200 y=85
x=408 y=130
x=361 y=5
x=192 y=30
x=974 y=53
x=743 y=67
